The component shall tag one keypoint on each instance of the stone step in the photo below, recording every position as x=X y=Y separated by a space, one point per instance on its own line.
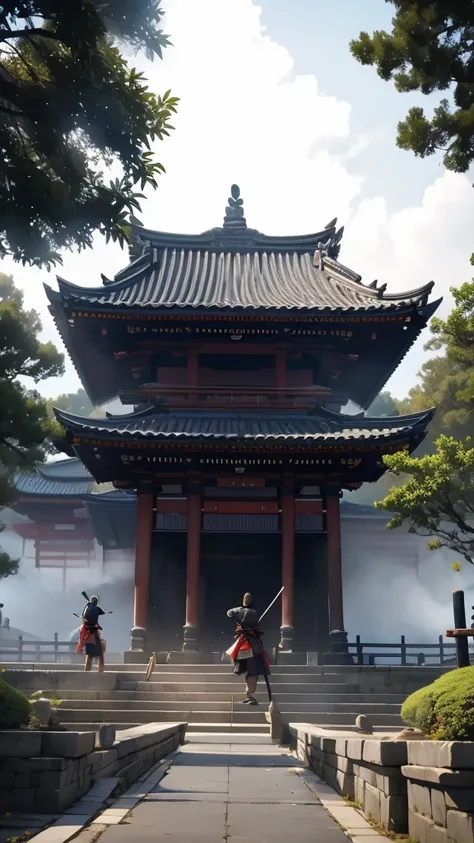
x=243 y=714
x=212 y=679
x=152 y=697
x=202 y=728
x=169 y=668
x=184 y=706
x=407 y=674
x=235 y=682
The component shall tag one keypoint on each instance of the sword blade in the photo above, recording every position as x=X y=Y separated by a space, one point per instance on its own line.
x=271 y=604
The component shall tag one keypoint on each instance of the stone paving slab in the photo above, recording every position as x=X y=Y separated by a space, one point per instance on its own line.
x=271 y=786
x=169 y=822
x=234 y=759
x=282 y=823
x=209 y=796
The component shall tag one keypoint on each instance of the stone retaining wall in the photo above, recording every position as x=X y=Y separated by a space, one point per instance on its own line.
x=421 y=788
x=46 y=772
x=367 y=771
x=440 y=778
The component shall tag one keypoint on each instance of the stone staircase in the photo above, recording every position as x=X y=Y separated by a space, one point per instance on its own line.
x=209 y=697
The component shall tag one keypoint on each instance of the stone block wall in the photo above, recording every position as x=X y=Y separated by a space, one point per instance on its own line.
x=421 y=788
x=365 y=770
x=46 y=772
x=440 y=780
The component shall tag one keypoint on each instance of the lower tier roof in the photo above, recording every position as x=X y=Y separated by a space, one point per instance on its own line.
x=319 y=427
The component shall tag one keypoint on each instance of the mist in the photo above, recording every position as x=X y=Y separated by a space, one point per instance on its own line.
x=35 y=602
x=392 y=586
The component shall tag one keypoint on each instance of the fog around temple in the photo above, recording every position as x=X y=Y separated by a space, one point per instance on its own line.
x=392 y=586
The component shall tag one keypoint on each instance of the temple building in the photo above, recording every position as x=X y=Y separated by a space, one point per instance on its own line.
x=237 y=352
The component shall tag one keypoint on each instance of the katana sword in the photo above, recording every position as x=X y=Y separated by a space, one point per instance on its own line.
x=271 y=604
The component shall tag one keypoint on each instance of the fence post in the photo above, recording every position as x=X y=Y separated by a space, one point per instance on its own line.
x=441 y=649
x=359 y=651
x=20 y=648
x=421 y=659
x=56 y=646
x=38 y=652
x=462 y=645
x=403 y=650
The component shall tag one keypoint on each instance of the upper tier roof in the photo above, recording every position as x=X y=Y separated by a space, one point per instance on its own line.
x=236 y=268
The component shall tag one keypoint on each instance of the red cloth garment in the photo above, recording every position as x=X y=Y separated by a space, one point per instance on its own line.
x=84 y=637
x=88 y=635
x=248 y=644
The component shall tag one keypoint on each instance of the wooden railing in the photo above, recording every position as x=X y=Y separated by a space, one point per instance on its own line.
x=402 y=652
x=364 y=653
x=60 y=652
x=21 y=650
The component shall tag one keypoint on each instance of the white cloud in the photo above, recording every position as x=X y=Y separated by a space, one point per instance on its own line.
x=246 y=117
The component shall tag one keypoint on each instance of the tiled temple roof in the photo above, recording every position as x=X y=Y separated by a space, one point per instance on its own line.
x=236 y=268
x=63 y=478
x=206 y=280
x=320 y=426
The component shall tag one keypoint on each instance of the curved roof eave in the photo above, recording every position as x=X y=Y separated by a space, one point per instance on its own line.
x=96 y=297
x=285 y=427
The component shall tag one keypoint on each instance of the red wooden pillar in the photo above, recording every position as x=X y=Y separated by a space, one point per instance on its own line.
x=145 y=500
x=334 y=558
x=193 y=565
x=288 y=563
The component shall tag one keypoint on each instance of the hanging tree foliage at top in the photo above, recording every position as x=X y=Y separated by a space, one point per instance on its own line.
x=430 y=48
x=70 y=107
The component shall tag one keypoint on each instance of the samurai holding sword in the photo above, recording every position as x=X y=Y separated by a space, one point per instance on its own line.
x=248 y=653
x=90 y=640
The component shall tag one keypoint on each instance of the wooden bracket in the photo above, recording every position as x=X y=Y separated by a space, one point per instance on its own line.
x=460 y=633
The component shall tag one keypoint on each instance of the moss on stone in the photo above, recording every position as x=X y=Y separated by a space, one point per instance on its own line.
x=15 y=708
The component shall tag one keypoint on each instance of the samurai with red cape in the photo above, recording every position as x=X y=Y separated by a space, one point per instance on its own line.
x=247 y=652
x=90 y=640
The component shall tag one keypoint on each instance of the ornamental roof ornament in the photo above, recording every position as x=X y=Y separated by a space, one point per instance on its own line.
x=234 y=219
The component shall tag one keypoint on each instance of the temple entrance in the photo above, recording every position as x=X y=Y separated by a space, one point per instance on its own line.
x=232 y=564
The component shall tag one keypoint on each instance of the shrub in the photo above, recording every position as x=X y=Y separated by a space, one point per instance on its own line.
x=444 y=710
x=15 y=708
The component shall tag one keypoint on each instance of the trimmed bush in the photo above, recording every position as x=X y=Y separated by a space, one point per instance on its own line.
x=444 y=710
x=15 y=708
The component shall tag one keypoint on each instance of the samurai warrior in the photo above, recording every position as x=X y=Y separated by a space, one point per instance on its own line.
x=90 y=641
x=248 y=653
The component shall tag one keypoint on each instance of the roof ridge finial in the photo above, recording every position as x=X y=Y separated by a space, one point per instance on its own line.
x=234 y=219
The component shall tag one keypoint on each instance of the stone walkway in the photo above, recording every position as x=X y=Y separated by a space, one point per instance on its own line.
x=247 y=790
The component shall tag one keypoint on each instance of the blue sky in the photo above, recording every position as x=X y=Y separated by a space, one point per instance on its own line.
x=272 y=99
x=318 y=34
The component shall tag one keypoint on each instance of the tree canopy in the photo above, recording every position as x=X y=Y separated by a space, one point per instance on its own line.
x=77 y=403
x=430 y=48
x=384 y=405
x=25 y=425
x=70 y=108
x=438 y=498
x=447 y=379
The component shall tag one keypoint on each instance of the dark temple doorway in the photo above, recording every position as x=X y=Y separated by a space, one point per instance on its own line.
x=232 y=564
